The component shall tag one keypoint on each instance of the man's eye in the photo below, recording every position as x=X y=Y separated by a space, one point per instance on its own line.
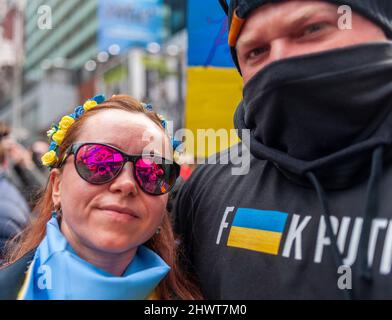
x=255 y=53
x=312 y=29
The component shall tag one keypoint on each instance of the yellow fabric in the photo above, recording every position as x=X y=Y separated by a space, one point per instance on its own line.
x=23 y=289
x=254 y=239
x=212 y=97
x=153 y=296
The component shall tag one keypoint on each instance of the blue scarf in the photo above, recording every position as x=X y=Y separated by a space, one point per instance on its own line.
x=58 y=273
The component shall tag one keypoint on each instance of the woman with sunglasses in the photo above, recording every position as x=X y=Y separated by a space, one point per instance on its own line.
x=103 y=231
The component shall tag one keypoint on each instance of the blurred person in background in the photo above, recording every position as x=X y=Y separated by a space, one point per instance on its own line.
x=38 y=149
x=102 y=230
x=14 y=211
x=23 y=168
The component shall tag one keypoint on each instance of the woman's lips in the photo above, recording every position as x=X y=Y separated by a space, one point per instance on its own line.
x=120 y=211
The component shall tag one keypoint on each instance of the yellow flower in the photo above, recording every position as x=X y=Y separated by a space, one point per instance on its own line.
x=66 y=122
x=49 y=158
x=58 y=137
x=89 y=104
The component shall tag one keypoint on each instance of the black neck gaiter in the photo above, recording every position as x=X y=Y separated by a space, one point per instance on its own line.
x=322 y=112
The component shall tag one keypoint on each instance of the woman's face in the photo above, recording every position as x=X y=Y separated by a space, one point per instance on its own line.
x=118 y=216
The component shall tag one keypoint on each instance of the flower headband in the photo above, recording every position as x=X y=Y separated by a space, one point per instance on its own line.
x=57 y=133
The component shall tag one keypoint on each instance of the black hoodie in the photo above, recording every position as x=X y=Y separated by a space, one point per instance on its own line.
x=262 y=236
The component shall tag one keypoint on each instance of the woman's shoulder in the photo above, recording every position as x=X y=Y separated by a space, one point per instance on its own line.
x=13 y=275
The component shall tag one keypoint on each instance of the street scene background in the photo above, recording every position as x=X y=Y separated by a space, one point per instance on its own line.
x=55 y=54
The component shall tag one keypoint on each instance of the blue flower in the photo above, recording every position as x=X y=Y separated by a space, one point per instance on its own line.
x=53 y=146
x=99 y=98
x=78 y=111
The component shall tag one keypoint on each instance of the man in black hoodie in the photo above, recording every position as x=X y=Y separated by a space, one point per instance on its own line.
x=312 y=218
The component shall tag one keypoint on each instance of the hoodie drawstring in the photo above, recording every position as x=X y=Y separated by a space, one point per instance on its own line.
x=337 y=256
x=370 y=210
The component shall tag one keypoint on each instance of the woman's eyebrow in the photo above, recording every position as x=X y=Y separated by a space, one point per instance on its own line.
x=112 y=144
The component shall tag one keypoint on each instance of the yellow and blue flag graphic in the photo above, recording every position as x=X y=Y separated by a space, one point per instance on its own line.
x=257 y=230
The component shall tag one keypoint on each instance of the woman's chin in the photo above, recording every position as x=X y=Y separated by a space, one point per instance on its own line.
x=114 y=244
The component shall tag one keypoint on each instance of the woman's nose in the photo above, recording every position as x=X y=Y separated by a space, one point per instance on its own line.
x=125 y=182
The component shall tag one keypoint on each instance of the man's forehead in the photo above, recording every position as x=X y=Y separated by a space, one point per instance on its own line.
x=377 y=11
x=258 y=20
x=243 y=10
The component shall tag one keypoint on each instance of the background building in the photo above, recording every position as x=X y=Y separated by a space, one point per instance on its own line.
x=63 y=61
x=7 y=56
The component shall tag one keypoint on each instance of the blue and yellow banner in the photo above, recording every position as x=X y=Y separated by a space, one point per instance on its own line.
x=213 y=83
x=207 y=32
x=257 y=230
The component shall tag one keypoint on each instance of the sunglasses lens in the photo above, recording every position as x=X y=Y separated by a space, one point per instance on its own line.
x=155 y=177
x=98 y=164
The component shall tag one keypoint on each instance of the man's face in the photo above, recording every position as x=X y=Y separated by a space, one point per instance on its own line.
x=297 y=27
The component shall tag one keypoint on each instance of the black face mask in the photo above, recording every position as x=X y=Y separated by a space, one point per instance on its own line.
x=319 y=112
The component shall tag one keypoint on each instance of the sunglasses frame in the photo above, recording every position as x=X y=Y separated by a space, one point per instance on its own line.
x=75 y=147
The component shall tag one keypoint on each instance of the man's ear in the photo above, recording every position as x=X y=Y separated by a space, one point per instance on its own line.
x=55 y=179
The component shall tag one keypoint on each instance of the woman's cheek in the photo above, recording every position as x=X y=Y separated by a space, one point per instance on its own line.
x=77 y=197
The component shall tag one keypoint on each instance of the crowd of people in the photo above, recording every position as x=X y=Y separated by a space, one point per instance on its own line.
x=119 y=220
